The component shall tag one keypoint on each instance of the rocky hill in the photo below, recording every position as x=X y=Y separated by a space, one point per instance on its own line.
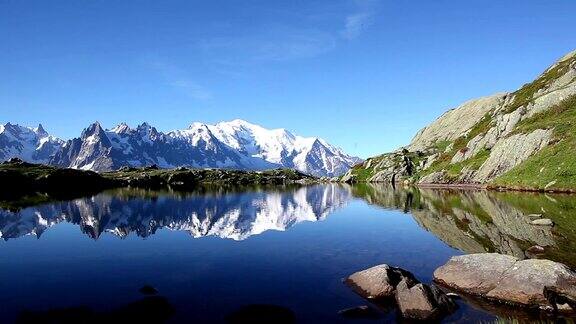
x=521 y=140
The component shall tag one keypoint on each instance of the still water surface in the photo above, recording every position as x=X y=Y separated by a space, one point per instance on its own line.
x=212 y=252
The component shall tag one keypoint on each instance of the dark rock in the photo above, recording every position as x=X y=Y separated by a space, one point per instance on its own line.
x=148 y=290
x=360 y=312
x=535 y=252
x=148 y=310
x=152 y=167
x=127 y=169
x=14 y=161
x=509 y=280
x=261 y=313
x=422 y=302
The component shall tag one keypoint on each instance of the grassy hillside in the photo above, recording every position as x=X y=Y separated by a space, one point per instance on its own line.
x=555 y=165
x=505 y=128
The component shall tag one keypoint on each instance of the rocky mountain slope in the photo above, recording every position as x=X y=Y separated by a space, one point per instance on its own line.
x=524 y=140
x=231 y=145
x=32 y=144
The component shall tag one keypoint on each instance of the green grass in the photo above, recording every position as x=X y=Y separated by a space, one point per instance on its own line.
x=442 y=145
x=554 y=167
x=453 y=170
x=362 y=174
x=525 y=95
x=28 y=170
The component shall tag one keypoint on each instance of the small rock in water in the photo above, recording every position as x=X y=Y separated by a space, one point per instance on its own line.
x=453 y=295
x=542 y=222
x=360 y=312
x=564 y=308
x=148 y=290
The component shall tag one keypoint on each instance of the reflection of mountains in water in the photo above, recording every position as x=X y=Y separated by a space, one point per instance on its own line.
x=485 y=221
x=235 y=215
x=468 y=220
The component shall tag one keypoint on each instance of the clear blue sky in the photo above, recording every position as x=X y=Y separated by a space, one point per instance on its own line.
x=363 y=74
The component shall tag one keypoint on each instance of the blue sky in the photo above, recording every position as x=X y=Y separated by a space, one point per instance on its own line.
x=363 y=74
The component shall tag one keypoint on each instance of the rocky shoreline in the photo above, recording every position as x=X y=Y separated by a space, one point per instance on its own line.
x=471 y=186
x=29 y=183
x=494 y=282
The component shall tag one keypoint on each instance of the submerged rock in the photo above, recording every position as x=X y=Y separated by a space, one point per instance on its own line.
x=148 y=290
x=261 y=313
x=360 y=312
x=532 y=283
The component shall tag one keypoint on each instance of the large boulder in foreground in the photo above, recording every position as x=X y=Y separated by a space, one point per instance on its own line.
x=413 y=299
x=534 y=283
x=378 y=282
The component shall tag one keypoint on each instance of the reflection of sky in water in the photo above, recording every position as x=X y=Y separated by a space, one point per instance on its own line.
x=300 y=268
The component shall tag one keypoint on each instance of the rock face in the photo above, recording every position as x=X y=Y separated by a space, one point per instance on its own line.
x=531 y=283
x=511 y=151
x=414 y=300
x=482 y=140
x=422 y=302
x=455 y=122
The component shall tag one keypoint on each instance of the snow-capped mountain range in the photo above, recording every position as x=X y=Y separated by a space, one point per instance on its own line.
x=234 y=216
x=235 y=145
x=30 y=144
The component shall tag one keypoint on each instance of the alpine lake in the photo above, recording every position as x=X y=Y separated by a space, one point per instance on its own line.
x=214 y=254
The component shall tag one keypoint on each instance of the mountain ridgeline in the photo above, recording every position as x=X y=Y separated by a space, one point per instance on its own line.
x=521 y=140
x=228 y=145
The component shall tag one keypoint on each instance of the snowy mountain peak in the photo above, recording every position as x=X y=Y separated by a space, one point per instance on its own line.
x=121 y=128
x=29 y=144
x=236 y=144
x=237 y=122
x=40 y=131
x=144 y=125
x=94 y=129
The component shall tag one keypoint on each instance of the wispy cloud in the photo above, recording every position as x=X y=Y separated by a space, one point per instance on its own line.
x=192 y=89
x=177 y=78
x=279 y=43
x=314 y=34
x=357 y=22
